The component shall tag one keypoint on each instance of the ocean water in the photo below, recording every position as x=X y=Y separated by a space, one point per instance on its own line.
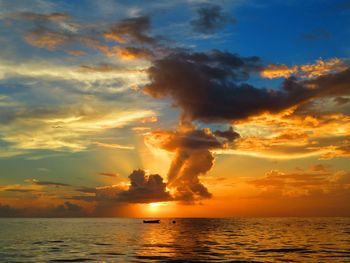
x=188 y=240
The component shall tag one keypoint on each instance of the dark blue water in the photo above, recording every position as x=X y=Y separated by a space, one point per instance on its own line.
x=189 y=240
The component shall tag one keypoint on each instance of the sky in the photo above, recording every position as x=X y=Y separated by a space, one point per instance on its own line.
x=184 y=108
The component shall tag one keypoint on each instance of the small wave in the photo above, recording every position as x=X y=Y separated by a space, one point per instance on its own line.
x=107 y=253
x=47 y=241
x=285 y=250
x=38 y=243
x=206 y=261
x=102 y=244
x=55 y=249
x=72 y=260
x=153 y=257
x=160 y=245
x=245 y=261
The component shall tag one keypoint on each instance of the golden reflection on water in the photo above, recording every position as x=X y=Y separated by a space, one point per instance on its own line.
x=235 y=239
x=199 y=240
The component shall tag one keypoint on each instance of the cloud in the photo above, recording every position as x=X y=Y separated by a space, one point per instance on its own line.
x=108 y=174
x=68 y=128
x=109 y=68
x=293 y=133
x=114 y=146
x=209 y=86
x=304 y=183
x=189 y=139
x=210 y=18
x=278 y=71
x=88 y=190
x=192 y=158
x=67 y=209
x=45 y=38
x=131 y=53
x=319 y=68
x=31 y=190
x=20 y=190
x=334 y=151
x=322 y=67
x=54 y=70
x=38 y=17
x=84 y=198
x=342 y=100
x=56 y=30
x=143 y=189
x=50 y=39
x=131 y=30
x=319 y=168
x=203 y=84
x=47 y=183
x=229 y=134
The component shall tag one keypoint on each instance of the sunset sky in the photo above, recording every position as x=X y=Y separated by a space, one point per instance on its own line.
x=174 y=108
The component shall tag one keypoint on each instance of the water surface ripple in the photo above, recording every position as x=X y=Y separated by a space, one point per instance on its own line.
x=189 y=240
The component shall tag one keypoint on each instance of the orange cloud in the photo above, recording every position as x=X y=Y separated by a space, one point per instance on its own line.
x=131 y=53
x=304 y=183
x=292 y=134
x=278 y=71
x=51 y=40
x=44 y=38
x=319 y=68
x=322 y=67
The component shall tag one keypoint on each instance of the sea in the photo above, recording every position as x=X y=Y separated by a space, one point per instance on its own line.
x=188 y=240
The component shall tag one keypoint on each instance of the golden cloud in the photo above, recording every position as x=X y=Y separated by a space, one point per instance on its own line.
x=319 y=68
x=303 y=183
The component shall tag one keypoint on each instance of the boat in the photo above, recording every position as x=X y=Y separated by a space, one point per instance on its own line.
x=151 y=221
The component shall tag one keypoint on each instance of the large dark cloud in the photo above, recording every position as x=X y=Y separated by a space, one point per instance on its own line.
x=210 y=18
x=211 y=87
x=143 y=189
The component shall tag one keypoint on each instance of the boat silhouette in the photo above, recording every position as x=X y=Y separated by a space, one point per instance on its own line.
x=151 y=221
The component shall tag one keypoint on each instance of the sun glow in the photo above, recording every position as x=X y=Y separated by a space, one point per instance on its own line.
x=156 y=206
